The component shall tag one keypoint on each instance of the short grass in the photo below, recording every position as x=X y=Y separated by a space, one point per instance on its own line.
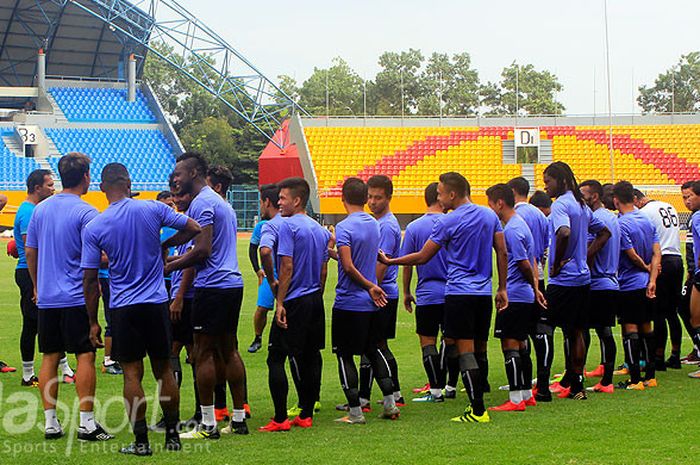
x=652 y=427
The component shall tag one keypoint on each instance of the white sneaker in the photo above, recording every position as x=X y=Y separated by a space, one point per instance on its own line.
x=53 y=432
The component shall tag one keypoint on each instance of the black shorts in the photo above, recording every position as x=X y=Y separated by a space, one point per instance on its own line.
x=467 y=317
x=104 y=286
x=26 y=294
x=64 y=329
x=182 y=330
x=354 y=333
x=140 y=330
x=635 y=308
x=387 y=319
x=567 y=307
x=603 y=308
x=429 y=319
x=306 y=326
x=669 y=284
x=514 y=321
x=216 y=311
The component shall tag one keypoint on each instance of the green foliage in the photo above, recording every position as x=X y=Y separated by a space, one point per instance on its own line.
x=454 y=84
x=399 y=79
x=525 y=90
x=677 y=89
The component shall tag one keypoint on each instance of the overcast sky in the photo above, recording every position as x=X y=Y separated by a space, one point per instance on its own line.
x=566 y=37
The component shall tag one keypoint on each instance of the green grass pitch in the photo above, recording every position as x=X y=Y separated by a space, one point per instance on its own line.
x=652 y=427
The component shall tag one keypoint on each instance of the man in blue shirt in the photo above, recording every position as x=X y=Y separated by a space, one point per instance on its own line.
x=53 y=247
x=690 y=200
x=218 y=295
x=640 y=261
x=430 y=302
x=166 y=197
x=514 y=321
x=379 y=193
x=269 y=196
x=356 y=324
x=541 y=330
x=128 y=231
x=568 y=293
x=465 y=234
x=298 y=332
x=40 y=186
x=604 y=287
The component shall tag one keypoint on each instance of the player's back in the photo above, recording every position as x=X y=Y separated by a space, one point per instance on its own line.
x=607 y=260
x=55 y=229
x=665 y=219
x=538 y=224
x=638 y=232
x=520 y=246
x=360 y=232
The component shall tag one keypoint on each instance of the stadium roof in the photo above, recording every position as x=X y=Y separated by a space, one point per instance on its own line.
x=77 y=44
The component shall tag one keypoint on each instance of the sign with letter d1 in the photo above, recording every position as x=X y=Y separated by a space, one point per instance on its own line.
x=526 y=137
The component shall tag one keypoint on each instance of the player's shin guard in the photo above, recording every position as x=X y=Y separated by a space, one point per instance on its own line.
x=608 y=352
x=453 y=372
x=442 y=367
x=348 y=379
x=544 y=352
x=366 y=378
x=526 y=363
x=471 y=378
x=431 y=363
x=311 y=365
x=277 y=382
x=197 y=403
x=632 y=352
x=648 y=348
x=393 y=368
x=566 y=379
x=177 y=369
x=379 y=358
x=514 y=369
x=483 y=361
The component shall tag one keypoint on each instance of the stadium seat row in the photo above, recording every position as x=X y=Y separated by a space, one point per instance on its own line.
x=81 y=104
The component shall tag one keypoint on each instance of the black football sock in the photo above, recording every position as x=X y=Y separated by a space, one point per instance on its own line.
x=220 y=395
x=379 y=359
x=197 y=404
x=566 y=379
x=648 y=346
x=453 y=372
x=513 y=369
x=278 y=383
x=631 y=345
x=442 y=367
x=483 y=361
x=366 y=378
x=431 y=363
x=348 y=379
x=393 y=367
x=177 y=369
x=544 y=353
x=608 y=352
x=310 y=369
x=140 y=432
x=526 y=363
x=471 y=378
x=171 y=421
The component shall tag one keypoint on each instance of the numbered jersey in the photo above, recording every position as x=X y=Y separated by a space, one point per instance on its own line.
x=665 y=219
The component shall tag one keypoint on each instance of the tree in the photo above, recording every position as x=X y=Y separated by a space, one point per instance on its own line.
x=677 y=89
x=452 y=84
x=523 y=90
x=397 y=86
x=336 y=90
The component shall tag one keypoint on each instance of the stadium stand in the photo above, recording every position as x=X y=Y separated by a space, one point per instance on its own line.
x=13 y=168
x=85 y=104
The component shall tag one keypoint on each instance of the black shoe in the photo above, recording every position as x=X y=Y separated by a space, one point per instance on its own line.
x=53 y=433
x=543 y=396
x=659 y=364
x=256 y=345
x=31 y=382
x=581 y=395
x=236 y=427
x=172 y=443
x=673 y=362
x=98 y=434
x=487 y=388
x=451 y=394
x=158 y=427
x=190 y=424
x=141 y=450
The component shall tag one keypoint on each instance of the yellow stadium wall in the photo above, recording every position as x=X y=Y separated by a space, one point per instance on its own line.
x=96 y=199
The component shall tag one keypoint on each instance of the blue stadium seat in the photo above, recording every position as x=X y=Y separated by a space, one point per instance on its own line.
x=146 y=153
x=14 y=170
x=81 y=104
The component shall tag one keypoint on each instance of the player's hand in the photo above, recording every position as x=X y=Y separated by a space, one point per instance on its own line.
x=382 y=258
x=176 y=309
x=96 y=336
x=408 y=301
x=281 y=316
x=378 y=296
x=541 y=300
x=651 y=290
x=35 y=296
x=274 y=286
x=261 y=276
x=558 y=267
x=332 y=240
x=501 y=300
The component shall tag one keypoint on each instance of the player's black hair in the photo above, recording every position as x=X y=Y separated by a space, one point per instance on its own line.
x=692 y=185
x=164 y=195
x=270 y=192
x=298 y=187
x=624 y=191
x=195 y=160
x=520 y=186
x=564 y=176
x=219 y=174
x=115 y=173
x=355 y=191
x=456 y=183
x=380 y=181
x=594 y=186
x=501 y=192
x=431 y=194
x=36 y=179
x=72 y=168
x=639 y=195
x=171 y=182
x=540 y=199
